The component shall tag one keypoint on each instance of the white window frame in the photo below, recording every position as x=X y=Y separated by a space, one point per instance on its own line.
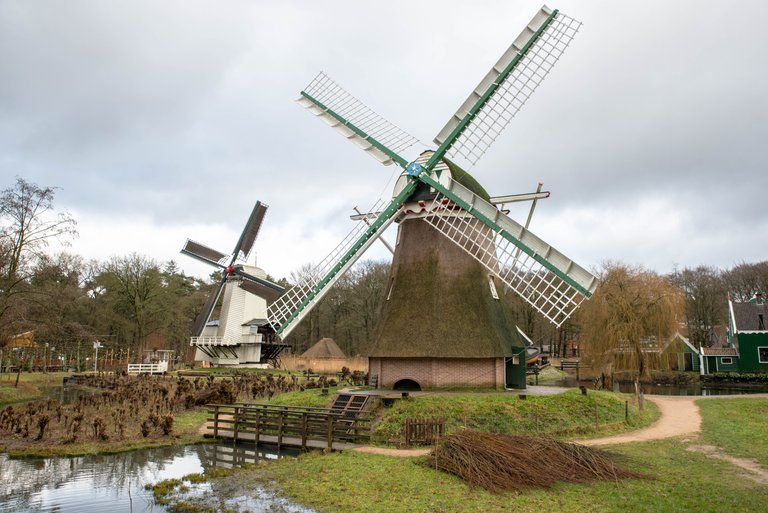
x=760 y=360
x=726 y=360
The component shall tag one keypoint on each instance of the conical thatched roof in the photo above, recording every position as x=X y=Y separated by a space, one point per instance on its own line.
x=440 y=303
x=324 y=348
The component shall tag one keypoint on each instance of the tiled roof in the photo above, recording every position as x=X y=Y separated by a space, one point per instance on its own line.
x=747 y=316
x=719 y=351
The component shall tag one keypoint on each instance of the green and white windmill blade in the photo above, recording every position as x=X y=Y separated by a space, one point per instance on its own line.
x=550 y=258
x=490 y=86
x=287 y=321
x=349 y=130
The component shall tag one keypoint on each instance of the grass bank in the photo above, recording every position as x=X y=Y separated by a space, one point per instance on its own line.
x=737 y=425
x=564 y=415
x=32 y=385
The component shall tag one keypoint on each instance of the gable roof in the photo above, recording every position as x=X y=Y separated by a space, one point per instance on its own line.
x=324 y=348
x=748 y=316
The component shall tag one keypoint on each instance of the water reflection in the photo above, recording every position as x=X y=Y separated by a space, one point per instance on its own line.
x=110 y=482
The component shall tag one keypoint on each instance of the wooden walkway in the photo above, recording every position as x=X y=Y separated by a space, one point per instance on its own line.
x=288 y=426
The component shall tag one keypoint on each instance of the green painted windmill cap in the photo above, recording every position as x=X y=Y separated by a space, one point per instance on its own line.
x=467 y=180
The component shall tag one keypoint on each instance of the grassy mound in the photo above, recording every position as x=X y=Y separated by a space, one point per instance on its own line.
x=568 y=414
x=515 y=462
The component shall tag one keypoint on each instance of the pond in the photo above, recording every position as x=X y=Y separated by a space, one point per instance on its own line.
x=116 y=482
x=691 y=389
x=697 y=389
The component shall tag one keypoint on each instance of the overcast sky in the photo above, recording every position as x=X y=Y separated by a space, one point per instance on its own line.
x=164 y=120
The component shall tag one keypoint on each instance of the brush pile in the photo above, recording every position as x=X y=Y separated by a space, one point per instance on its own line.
x=513 y=462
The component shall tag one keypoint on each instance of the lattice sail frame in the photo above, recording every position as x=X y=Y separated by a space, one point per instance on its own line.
x=534 y=65
x=343 y=112
x=546 y=279
x=290 y=308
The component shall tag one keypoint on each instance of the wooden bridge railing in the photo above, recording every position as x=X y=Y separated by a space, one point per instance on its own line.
x=288 y=425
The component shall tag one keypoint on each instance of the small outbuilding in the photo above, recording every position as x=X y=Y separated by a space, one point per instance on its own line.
x=324 y=348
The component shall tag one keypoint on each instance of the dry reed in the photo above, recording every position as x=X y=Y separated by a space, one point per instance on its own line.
x=514 y=462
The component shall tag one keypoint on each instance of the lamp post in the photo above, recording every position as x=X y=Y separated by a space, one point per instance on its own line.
x=96 y=346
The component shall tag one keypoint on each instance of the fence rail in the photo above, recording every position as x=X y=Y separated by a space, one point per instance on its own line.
x=289 y=426
x=423 y=432
x=147 y=368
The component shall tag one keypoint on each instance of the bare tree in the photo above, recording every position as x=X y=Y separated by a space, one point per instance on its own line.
x=745 y=280
x=632 y=311
x=705 y=301
x=29 y=223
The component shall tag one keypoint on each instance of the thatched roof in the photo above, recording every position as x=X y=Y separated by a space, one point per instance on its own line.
x=324 y=348
x=440 y=304
x=467 y=180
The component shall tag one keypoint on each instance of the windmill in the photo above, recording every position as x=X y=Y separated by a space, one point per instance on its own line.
x=455 y=246
x=242 y=335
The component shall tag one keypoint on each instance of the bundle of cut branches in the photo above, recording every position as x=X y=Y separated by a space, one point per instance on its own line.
x=514 y=462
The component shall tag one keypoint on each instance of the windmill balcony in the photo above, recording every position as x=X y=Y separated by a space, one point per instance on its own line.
x=210 y=341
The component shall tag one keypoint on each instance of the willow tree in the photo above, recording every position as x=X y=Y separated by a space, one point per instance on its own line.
x=630 y=316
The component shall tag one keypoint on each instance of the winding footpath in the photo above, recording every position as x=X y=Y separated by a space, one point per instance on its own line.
x=679 y=417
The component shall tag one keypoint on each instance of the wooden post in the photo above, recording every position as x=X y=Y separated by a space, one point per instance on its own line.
x=330 y=432
x=258 y=420
x=236 y=420
x=280 y=430
x=216 y=421
x=626 y=411
x=304 y=430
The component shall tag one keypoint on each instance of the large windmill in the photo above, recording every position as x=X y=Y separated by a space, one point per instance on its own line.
x=442 y=322
x=242 y=334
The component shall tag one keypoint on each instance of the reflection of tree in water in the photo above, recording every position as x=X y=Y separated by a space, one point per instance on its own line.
x=110 y=475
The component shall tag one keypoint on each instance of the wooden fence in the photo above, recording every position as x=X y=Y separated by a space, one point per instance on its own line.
x=289 y=426
x=423 y=432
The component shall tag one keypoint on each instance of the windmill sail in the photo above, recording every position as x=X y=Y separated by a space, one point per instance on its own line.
x=507 y=86
x=548 y=280
x=205 y=314
x=288 y=310
x=204 y=253
x=356 y=122
x=251 y=230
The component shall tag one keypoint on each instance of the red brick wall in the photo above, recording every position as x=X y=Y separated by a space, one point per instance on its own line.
x=440 y=372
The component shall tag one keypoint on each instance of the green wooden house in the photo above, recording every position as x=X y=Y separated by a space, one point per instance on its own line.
x=680 y=355
x=747 y=346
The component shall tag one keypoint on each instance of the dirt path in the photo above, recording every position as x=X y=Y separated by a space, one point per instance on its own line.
x=679 y=416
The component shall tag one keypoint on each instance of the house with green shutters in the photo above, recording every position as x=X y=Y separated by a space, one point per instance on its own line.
x=747 y=348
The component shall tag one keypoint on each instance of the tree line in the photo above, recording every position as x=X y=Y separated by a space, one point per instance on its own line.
x=131 y=303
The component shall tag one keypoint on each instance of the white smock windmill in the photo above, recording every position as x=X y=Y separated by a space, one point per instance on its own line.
x=242 y=335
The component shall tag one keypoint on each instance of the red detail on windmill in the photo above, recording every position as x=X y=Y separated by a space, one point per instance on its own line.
x=230 y=269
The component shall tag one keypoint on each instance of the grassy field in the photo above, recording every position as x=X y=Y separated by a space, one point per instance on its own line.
x=351 y=482
x=678 y=480
x=32 y=385
x=737 y=425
